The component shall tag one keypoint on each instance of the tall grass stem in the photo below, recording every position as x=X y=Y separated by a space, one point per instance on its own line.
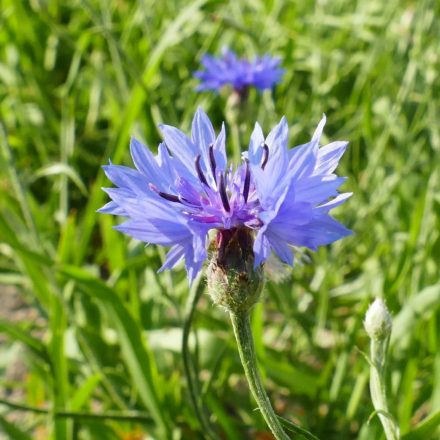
x=188 y=364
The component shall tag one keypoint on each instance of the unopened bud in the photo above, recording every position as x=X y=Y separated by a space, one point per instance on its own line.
x=378 y=320
x=233 y=283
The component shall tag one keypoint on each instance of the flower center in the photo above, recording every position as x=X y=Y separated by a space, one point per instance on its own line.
x=229 y=201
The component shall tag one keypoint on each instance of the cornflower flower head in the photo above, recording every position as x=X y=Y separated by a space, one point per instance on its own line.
x=261 y=72
x=275 y=199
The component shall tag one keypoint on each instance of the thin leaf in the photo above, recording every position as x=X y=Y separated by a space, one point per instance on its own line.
x=138 y=358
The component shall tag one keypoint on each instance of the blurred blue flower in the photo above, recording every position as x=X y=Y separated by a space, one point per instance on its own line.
x=262 y=72
x=280 y=197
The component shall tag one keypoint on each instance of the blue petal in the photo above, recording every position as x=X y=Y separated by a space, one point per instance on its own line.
x=193 y=268
x=277 y=161
x=341 y=198
x=291 y=214
x=302 y=161
x=329 y=156
x=255 y=151
x=202 y=131
x=187 y=191
x=180 y=145
x=175 y=254
x=119 y=196
x=199 y=245
x=166 y=165
x=281 y=248
x=112 y=208
x=322 y=230
x=145 y=162
x=271 y=189
x=318 y=131
x=261 y=248
x=203 y=136
x=172 y=169
x=152 y=207
x=303 y=158
x=126 y=177
x=317 y=189
x=220 y=150
x=192 y=265
x=157 y=231
x=277 y=141
x=272 y=182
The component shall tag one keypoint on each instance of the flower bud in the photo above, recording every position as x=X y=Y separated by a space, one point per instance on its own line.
x=233 y=283
x=378 y=320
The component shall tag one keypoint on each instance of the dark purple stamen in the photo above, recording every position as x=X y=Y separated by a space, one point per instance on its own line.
x=212 y=160
x=247 y=182
x=265 y=156
x=170 y=197
x=223 y=194
x=202 y=177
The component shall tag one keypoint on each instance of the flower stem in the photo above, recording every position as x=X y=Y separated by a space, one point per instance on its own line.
x=190 y=373
x=378 y=349
x=243 y=335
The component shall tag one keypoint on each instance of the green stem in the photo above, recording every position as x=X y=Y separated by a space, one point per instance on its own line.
x=236 y=112
x=243 y=335
x=377 y=389
x=290 y=426
x=188 y=365
x=129 y=417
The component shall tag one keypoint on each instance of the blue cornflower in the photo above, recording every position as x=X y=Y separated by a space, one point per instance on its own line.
x=262 y=72
x=278 y=197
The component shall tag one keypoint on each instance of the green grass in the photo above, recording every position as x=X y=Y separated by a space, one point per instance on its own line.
x=77 y=79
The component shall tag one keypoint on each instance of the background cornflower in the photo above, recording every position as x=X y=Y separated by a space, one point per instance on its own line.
x=261 y=72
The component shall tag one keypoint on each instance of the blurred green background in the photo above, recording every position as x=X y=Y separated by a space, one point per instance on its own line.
x=86 y=324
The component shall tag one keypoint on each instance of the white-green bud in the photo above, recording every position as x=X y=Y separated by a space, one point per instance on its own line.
x=378 y=320
x=233 y=282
